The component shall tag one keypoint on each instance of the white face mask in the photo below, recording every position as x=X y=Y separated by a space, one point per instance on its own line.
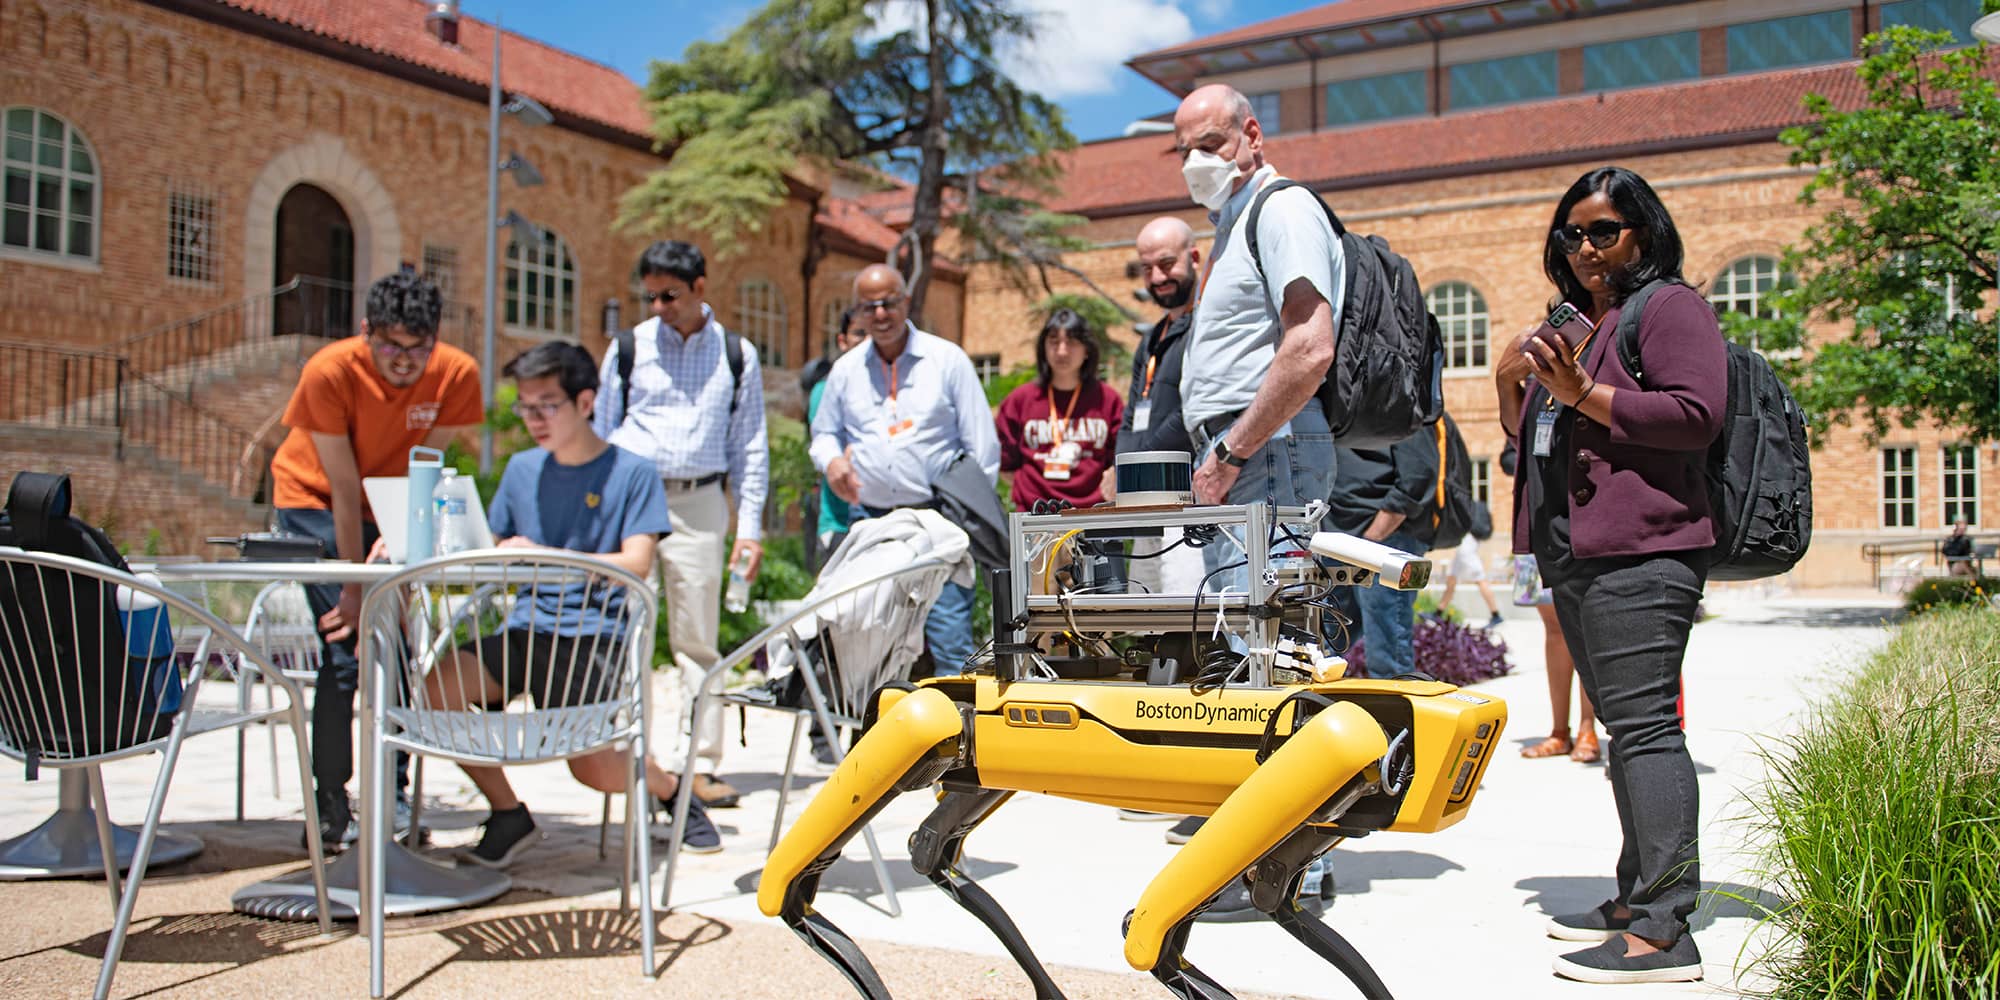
x=1209 y=178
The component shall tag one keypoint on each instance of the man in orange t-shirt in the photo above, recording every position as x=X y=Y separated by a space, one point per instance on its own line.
x=362 y=403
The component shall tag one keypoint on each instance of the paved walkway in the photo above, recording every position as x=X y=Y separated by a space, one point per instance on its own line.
x=1435 y=914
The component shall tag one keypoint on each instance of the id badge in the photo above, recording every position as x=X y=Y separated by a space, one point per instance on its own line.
x=1061 y=459
x=1545 y=433
x=1142 y=415
x=900 y=427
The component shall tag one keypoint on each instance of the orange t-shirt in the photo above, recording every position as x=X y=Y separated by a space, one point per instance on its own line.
x=341 y=392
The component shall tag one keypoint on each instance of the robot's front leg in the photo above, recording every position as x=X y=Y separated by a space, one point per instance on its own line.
x=915 y=741
x=1274 y=888
x=936 y=849
x=1321 y=760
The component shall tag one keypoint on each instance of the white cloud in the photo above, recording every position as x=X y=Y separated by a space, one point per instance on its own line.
x=1212 y=10
x=1080 y=46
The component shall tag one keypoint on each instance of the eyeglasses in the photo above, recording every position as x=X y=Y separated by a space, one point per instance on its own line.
x=666 y=296
x=538 y=411
x=389 y=350
x=873 y=304
x=1601 y=234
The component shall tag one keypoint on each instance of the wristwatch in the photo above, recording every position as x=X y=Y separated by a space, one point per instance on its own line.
x=1223 y=455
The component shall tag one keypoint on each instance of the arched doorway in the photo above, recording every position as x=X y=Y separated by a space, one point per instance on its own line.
x=315 y=242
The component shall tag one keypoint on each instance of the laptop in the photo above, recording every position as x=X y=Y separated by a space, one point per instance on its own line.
x=389 y=498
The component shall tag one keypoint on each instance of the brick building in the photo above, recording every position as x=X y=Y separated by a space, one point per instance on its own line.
x=1452 y=129
x=172 y=166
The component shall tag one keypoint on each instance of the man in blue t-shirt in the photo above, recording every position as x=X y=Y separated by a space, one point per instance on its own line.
x=574 y=492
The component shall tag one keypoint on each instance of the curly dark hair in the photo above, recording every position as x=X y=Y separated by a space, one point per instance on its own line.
x=408 y=300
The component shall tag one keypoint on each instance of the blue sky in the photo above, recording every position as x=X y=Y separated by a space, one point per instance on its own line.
x=1079 y=61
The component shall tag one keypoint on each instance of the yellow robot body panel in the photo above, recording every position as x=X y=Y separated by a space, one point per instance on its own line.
x=1455 y=736
x=913 y=726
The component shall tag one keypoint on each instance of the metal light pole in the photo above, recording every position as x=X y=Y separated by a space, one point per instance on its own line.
x=1987 y=29
x=492 y=253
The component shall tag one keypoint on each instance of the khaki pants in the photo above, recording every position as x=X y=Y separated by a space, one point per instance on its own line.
x=692 y=559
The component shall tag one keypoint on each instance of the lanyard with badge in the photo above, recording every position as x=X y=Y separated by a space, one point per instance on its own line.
x=1142 y=411
x=896 y=426
x=1063 y=454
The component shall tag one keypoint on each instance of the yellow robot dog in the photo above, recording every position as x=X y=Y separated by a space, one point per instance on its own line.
x=1283 y=771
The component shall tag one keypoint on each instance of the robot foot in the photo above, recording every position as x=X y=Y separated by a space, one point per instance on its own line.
x=836 y=947
x=1177 y=975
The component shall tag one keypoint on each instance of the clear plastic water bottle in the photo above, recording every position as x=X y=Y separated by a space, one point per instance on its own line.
x=450 y=506
x=737 y=598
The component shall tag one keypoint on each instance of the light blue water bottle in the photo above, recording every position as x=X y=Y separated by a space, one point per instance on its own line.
x=426 y=464
x=149 y=645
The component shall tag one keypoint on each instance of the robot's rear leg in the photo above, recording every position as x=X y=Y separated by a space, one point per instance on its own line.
x=936 y=849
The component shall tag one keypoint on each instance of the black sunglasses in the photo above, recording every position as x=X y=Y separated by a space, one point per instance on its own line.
x=666 y=296
x=1601 y=234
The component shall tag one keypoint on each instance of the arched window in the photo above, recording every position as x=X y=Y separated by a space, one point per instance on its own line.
x=1742 y=286
x=540 y=297
x=760 y=316
x=829 y=323
x=51 y=203
x=1461 y=315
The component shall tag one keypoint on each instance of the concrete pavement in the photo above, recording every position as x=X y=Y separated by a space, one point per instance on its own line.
x=1437 y=915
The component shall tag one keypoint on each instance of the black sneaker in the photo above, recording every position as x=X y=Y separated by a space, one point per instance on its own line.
x=1232 y=905
x=503 y=837
x=1600 y=924
x=700 y=835
x=1495 y=622
x=1608 y=963
x=337 y=829
x=1180 y=832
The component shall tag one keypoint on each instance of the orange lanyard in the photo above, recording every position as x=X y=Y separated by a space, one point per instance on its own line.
x=1056 y=427
x=1152 y=362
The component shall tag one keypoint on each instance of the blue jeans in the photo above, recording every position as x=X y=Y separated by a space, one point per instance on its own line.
x=1389 y=617
x=1290 y=471
x=339 y=672
x=948 y=629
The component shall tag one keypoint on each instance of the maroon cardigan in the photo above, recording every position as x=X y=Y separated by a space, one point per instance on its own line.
x=1639 y=487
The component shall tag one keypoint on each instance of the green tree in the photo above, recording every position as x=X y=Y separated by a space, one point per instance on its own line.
x=1906 y=252
x=828 y=82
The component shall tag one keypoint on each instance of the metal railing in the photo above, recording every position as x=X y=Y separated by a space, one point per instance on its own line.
x=57 y=387
x=199 y=442
x=1876 y=553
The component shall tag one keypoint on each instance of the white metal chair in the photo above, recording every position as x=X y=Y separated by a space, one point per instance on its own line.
x=590 y=692
x=281 y=626
x=878 y=622
x=72 y=696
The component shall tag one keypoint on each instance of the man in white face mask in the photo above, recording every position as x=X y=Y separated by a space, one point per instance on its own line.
x=1263 y=336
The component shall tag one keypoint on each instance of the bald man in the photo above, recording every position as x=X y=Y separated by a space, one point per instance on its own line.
x=892 y=417
x=1169 y=262
x=1263 y=332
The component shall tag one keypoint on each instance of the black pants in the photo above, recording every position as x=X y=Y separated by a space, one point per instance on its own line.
x=339 y=672
x=1626 y=622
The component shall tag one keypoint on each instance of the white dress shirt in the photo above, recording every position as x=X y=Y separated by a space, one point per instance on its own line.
x=937 y=409
x=679 y=417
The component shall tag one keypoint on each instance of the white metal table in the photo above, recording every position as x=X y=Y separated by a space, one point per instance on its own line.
x=415 y=884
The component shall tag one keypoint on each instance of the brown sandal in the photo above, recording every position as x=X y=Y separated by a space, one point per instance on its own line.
x=1586 y=750
x=1555 y=746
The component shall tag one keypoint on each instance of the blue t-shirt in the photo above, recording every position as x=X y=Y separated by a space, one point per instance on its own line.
x=591 y=508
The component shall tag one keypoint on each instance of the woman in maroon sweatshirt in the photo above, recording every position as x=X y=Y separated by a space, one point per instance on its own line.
x=1058 y=433
x=1612 y=501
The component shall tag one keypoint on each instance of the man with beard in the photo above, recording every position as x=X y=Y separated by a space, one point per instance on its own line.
x=1169 y=262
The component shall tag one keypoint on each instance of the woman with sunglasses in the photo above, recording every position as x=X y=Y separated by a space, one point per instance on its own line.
x=1612 y=502
x=1058 y=432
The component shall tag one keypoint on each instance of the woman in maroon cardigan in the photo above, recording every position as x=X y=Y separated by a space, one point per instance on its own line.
x=1613 y=504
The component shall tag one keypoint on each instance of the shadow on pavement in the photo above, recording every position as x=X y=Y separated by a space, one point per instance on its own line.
x=229 y=940
x=601 y=933
x=1555 y=894
x=1863 y=616
x=1356 y=872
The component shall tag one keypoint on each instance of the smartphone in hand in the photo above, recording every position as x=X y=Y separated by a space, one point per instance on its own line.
x=1566 y=326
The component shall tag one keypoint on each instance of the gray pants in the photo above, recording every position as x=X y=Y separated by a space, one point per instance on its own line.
x=1626 y=622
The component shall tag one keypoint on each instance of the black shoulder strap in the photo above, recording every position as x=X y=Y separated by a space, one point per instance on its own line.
x=36 y=501
x=628 y=342
x=1257 y=211
x=1629 y=316
x=732 y=350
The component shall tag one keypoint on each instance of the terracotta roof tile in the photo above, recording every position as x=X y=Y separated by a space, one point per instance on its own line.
x=866 y=234
x=395 y=28
x=1110 y=178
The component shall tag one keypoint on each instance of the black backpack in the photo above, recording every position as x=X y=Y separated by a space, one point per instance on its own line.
x=1455 y=513
x=1387 y=378
x=627 y=342
x=61 y=633
x=1759 y=467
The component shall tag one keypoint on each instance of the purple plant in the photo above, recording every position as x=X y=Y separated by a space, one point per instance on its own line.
x=1451 y=652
